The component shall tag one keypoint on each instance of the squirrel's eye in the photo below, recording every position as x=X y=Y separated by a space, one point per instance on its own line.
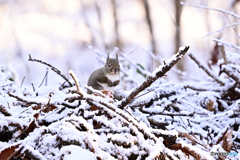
x=109 y=65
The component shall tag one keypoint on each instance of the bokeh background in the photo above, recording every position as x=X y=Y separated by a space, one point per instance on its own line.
x=67 y=34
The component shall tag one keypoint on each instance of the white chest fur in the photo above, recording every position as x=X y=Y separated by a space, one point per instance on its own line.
x=113 y=78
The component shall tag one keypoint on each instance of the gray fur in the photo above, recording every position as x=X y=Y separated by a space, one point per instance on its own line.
x=100 y=76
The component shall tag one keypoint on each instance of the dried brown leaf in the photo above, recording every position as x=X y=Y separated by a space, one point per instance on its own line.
x=9 y=152
x=222 y=132
x=188 y=136
x=210 y=105
x=48 y=108
x=227 y=141
x=105 y=92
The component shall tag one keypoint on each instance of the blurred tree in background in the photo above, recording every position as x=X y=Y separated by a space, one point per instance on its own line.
x=62 y=30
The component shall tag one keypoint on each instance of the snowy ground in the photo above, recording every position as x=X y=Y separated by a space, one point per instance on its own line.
x=197 y=118
x=184 y=120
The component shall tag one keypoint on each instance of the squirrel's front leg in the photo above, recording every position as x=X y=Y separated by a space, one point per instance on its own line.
x=115 y=83
x=109 y=82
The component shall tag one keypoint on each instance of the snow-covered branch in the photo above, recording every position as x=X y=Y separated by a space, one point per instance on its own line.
x=159 y=72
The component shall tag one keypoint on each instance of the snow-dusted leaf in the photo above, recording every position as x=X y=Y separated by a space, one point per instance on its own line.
x=9 y=152
x=227 y=141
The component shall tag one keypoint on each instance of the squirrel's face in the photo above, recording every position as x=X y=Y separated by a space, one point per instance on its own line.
x=112 y=67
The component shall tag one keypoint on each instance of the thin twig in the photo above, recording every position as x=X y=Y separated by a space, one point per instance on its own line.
x=226 y=43
x=22 y=81
x=214 y=9
x=220 y=30
x=53 y=68
x=144 y=93
x=46 y=79
x=43 y=79
x=62 y=85
x=232 y=26
x=33 y=87
x=202 y=89
x=168 y=114
x=204 y=68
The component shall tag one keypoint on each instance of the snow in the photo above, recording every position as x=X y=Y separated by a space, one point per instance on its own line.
x=198 y=106
x=76 y=152
x=173 y=58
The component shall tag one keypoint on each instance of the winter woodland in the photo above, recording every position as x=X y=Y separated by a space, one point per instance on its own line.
x=179 y=95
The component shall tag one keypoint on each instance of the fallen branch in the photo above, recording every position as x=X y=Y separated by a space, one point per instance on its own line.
x=229 y=72
x=40 y=103
x=168 y=114
x=159 y=72
x=204 y=68
x=53 y=68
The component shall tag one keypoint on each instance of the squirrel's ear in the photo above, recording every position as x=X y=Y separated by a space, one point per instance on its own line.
x=116 y=55
x=107 y=56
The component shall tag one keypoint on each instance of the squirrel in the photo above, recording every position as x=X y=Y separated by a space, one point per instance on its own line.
x=107 y=77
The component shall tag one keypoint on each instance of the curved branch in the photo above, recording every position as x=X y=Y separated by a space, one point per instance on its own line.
x=53 y=68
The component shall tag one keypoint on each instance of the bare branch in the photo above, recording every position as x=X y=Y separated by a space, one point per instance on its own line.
x=202 y=89
x=44 y=78
x=22 y=81
x=33 y=87
x=53 y=68
x=204 y=68
x=214 y=9
x=220 y=30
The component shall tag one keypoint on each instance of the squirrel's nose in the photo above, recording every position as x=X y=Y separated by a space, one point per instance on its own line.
x=115 y=70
